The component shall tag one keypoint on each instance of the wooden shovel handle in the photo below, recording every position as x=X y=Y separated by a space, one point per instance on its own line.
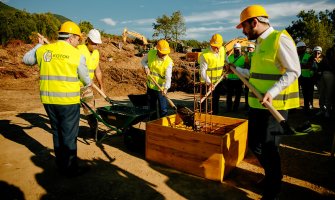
x=43 y=38
x=161 y=89
x=259 y=96
x=210 y=91
x=102 y=93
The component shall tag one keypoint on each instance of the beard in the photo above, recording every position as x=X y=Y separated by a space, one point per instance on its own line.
x=251 y=34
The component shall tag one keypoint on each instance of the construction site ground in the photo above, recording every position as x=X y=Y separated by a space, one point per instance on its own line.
x=27 y=169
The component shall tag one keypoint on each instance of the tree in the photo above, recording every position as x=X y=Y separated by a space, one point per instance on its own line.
x=177 y=26
x=162 y=27
x=85 y=26
x=314 y=29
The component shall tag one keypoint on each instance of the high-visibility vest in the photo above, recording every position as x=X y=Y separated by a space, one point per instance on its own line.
x=264 y=74
x=59 y=83
x=215 y=64
x=157 y=68
x=239 y=62
x=304 y=60
x=92 y=59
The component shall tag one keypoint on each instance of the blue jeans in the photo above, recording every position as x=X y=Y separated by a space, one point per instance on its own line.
x=155 y=96
x=64 y=120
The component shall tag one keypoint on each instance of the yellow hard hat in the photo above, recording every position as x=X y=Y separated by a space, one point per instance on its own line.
x=163 y=47
x=216 y=40
x=70 y=27
x=250 y=12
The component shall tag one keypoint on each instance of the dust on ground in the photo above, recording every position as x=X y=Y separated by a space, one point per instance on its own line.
x=27 y=169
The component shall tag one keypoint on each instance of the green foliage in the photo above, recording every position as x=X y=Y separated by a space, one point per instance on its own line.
x=170 y=27
x=85 y=26
x=314 y=29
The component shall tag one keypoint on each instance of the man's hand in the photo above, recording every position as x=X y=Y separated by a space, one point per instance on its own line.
x=210 y=87
x=227 y=67
x=267 y=98
x=164 y=92
x=147 y=70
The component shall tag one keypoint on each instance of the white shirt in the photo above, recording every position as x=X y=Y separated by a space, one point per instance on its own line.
x=168 y=72
x=287 y=58
x=204 y=66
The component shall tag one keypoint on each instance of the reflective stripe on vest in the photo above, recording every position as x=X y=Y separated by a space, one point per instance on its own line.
x=58 y=73
x=239 y=62
x=305 y=72
x=157 y=68
x=92 y=59
x=215 y=64
x=264 y=74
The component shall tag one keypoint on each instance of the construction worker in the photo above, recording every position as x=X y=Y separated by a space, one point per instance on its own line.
x=306 y=80
x=326 y=74
x=247 y=64
x=274 y=72
x=158 y=66
x=211 y=62
x=234 y=84
x=89 y=50
x=60 y=66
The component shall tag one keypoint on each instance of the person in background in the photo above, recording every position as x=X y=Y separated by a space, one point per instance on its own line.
x=61 y=64
x=274 y=72
x=91 y=53
x=306 y=80
x=211 y=62
x=326 y=86
x=158 y=65
x=248 y=58
x=234 y=84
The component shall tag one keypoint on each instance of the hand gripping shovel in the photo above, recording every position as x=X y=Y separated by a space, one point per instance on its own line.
x=103 y=94
x=211 y=90
x=288 y=130
x=184 y=113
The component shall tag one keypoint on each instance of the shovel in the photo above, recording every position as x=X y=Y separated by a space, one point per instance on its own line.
x=211 y=90
x=183 y=112
x=288 y=130
x=103 y=94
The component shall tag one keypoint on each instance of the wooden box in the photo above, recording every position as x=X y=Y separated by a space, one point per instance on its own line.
x=209 y=155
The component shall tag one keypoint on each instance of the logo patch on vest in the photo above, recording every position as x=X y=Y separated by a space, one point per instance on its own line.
x=47 y=56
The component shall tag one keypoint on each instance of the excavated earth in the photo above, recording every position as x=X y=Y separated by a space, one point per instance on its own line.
x=27 y=169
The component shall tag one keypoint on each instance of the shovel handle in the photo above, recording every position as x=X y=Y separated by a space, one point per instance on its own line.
x=210 y=91
x=102 y=93
x=259 y=96
x=161 y=89
x=43 y=38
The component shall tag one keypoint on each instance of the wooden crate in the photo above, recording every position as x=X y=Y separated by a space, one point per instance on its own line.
x=211 y=156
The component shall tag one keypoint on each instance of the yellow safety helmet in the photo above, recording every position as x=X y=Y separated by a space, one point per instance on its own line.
x=216 y=40
x=250 y=12
x=163 y=47
x=70 y=27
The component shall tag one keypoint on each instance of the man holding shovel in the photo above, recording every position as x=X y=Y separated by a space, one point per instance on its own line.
x=89 y=50
x=211 y=69
x=158 y=67
x=61 y=68
x=274 y=72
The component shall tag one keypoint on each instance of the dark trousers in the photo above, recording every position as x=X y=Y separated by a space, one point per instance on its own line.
x=234 y=88
x=307 y=86
x=64 y=120
x=155 y=96
x=217 y=92
x=261 y=141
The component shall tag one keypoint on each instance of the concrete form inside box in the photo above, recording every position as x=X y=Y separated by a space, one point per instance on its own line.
x=211 y=152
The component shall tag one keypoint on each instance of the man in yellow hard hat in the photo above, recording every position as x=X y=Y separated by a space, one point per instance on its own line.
x=62 y=67
x=158 y=66
x=211 y=62
x=91 y=53
x=274 y=72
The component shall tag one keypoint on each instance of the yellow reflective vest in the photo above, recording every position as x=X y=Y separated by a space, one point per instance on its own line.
x=92 y=59
x=215 y=64
x=59 y=83
x=239 y=62
x=264 y=74
x=157 y=68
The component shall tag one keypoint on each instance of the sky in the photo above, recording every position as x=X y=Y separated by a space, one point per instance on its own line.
x=203 y=18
